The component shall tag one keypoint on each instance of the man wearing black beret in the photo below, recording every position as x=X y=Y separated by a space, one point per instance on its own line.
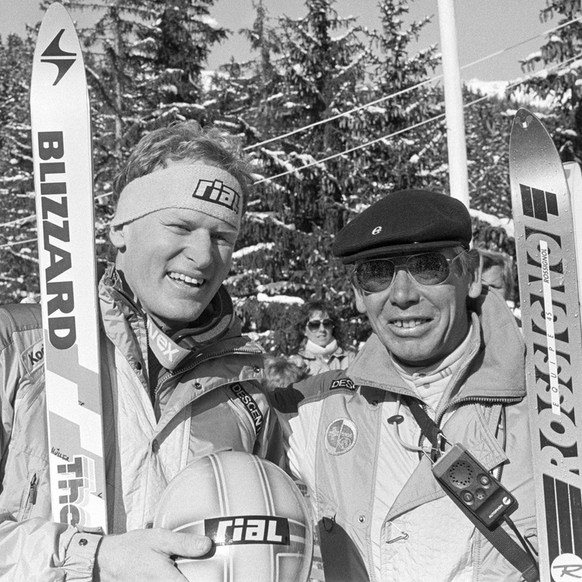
x=443 y=350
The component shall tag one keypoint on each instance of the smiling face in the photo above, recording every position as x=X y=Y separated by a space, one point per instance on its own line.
x=420 y=324
x=174 y=261
x=323 y=335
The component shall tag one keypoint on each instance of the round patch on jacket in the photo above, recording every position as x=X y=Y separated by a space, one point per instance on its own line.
x=340 y=436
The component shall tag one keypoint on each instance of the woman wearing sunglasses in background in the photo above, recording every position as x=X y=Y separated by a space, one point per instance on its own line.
x=320 y=350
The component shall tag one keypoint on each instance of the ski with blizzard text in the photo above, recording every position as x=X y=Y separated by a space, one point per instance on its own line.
x=63 y=179
x=550 y=307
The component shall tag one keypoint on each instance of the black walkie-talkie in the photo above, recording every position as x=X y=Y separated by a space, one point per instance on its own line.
x=469 y=482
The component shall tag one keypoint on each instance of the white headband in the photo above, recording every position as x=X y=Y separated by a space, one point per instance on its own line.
x=198 y=186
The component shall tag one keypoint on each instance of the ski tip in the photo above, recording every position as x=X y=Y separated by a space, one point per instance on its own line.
x=56 y=10
x=523 y=111
x=527 y=126
x=524 y=118
x=57 y=50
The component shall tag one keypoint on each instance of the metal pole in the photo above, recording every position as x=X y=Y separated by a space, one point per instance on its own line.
x=457 y=151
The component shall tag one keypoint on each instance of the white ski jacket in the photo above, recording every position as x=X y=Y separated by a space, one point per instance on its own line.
x=382 y=515
x=195 y=411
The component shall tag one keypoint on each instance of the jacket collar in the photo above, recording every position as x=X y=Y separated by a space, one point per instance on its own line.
x=339 y=352
x=493 y=367
x=217 y=321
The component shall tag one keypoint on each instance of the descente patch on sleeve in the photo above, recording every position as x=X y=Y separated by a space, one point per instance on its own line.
x=238 y=391
x=343 y=383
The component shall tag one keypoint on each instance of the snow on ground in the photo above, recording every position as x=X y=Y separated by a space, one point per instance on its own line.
x=263 y=297
x=252 y=249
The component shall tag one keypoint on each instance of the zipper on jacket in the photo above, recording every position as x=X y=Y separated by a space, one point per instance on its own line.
x=199 y=360
x=468 y=400
x=478 y=400
x=32 y=490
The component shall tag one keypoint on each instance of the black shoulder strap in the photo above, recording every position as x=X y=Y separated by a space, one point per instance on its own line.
x=252 y=408
x=498 y=537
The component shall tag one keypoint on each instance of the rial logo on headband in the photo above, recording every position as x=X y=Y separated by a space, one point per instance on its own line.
x=197 y=186
x=219 y=193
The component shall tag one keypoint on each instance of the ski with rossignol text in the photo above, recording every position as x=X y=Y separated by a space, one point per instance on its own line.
x=63 y=178
x=550 y=309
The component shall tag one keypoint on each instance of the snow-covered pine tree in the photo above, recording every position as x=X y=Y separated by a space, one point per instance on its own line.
x=19 y=271
x=562 y=82
x=308 y=69
x=144 y=61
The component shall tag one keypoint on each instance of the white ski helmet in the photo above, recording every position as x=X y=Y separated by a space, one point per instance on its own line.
x=251 y=509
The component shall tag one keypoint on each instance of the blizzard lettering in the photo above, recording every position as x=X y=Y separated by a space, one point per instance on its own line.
x=56 y=238
x=247 y=529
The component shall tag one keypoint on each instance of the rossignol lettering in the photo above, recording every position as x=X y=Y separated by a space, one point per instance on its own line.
x=74 y=489
x=56 y=239
x=217 y=192
x=550 y=331
x=551 y=346
x=544 y=211
x=250 y=404
x=247 y=529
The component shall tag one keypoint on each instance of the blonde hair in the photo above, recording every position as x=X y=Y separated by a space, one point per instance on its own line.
x=186 y=140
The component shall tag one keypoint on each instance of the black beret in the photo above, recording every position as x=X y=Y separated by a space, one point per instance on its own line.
x=404 y=222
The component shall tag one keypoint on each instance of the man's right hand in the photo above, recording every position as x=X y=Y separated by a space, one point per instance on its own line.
x=146 y=555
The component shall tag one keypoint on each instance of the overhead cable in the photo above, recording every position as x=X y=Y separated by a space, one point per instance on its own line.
x=407 y=89
x=359 y=147
x=427 y=121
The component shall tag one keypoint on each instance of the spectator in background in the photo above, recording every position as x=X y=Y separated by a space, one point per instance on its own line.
x=497 y=273
x=279 y=375
x=320 y=350
x=280 y=372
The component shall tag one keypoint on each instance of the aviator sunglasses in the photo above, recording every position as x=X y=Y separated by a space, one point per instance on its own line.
x=314 y=324
x=427 y=269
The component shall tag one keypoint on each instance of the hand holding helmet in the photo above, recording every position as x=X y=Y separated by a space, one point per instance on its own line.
x=146 y=554
x=253 y=512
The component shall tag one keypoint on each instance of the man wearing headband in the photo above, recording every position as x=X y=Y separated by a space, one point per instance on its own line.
x=179 y=379
x=441 y=346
